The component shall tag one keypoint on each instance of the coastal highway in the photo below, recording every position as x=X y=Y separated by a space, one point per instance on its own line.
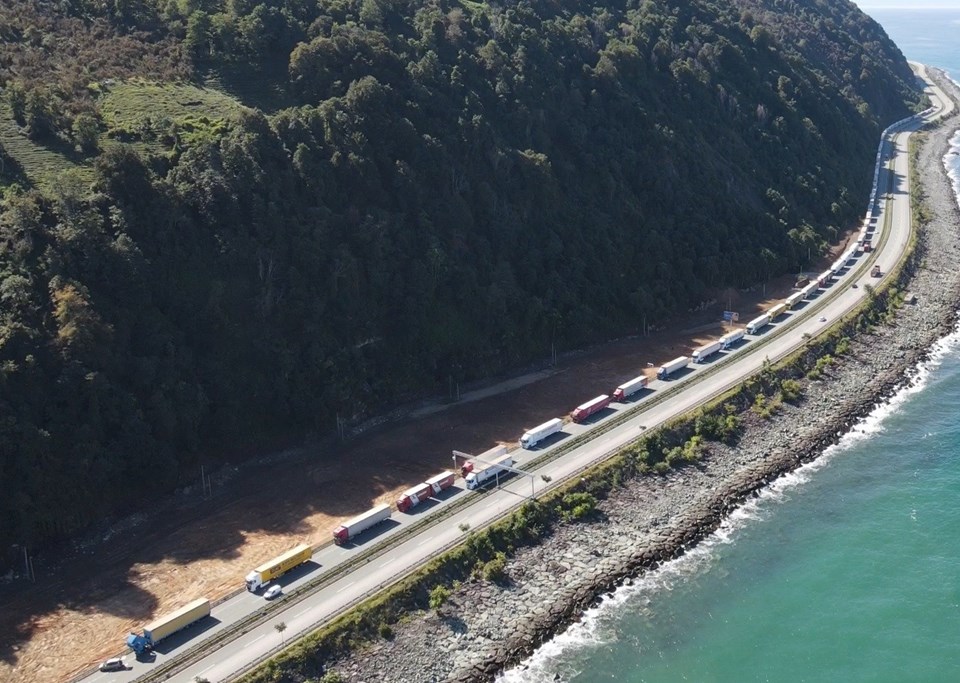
x=666 y=399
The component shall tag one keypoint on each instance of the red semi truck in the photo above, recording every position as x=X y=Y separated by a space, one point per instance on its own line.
x=591 y=407
x=478 y=461
x=414 y=496
x=628 y=388
x=441 y=482
x=350 y=529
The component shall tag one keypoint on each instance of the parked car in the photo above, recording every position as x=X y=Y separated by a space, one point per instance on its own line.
x=273 y=591
x=113 y=664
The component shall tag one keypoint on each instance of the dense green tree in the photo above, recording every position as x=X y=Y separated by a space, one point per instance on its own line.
x=456 y=190
x=86 y=132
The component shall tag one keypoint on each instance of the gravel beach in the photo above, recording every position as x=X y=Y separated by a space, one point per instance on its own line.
x=486 y=626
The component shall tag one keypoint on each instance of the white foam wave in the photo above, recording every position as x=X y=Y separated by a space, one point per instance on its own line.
x=598 y=626
x=951 y=162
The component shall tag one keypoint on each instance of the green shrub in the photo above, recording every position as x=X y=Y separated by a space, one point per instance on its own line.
x=791 y=390
x=438 y=596
x=496 y=569
x=577 y=506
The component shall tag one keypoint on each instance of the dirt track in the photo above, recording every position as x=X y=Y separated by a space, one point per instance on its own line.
x=65 y=624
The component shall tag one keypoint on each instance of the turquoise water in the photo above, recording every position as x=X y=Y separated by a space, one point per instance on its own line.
x=847 y=570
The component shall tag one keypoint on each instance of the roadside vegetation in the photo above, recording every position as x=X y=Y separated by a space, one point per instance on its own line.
x=440 y=192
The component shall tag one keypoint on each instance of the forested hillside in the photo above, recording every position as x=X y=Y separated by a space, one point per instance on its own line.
x=415 y=192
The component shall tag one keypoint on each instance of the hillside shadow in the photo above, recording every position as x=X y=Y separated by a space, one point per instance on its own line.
x=263 y=86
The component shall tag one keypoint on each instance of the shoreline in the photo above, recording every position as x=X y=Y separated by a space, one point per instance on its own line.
x=652 y=520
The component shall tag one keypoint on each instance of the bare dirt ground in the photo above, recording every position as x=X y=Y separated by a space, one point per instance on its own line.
x=80 y=613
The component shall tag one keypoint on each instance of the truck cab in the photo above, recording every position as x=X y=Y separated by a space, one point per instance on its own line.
x=140 y=645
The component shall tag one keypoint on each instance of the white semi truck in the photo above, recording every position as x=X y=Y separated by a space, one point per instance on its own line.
x=534 y=436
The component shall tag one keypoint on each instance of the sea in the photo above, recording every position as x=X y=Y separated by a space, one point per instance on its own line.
x=845 y=570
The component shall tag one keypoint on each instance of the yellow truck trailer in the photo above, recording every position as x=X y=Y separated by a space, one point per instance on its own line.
x=278 y=566
x=167 y=625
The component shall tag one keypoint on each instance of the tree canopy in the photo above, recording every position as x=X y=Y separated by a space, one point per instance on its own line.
x=439 y=190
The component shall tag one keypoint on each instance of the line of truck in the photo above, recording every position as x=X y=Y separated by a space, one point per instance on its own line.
x=490 y=464
x=476 y=472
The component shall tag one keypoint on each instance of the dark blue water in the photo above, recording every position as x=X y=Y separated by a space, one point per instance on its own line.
x=847 y=570
x=930 y=36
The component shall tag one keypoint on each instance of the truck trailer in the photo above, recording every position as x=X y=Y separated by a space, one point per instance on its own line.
x=731 y=338
x=668 y=369
x=758 y=324
x=809 y=290
x=485 y=473
x=278 y=566
x=488 y=455
x=707 y=350
x=794 y=299
x=443 y=481
x=777 y=311
x=159 y=629
x=825 y=278
x=591 y=407
x=534 y=436
x=413 y=496
x=628 y=388
x=352 y=528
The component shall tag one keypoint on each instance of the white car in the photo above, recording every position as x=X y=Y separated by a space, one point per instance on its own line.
x=273 y=591
x=113 y=664
x=823 y=318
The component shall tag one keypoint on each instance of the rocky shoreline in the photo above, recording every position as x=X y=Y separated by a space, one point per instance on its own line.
x=487 y=626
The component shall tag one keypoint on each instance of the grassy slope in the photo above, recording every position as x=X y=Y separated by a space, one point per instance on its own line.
x=124 y=106
x=40 y=165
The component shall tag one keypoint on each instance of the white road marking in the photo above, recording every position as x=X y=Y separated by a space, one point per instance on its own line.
x=346 y=587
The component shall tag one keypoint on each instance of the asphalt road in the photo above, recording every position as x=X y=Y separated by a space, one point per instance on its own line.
x=699 y=383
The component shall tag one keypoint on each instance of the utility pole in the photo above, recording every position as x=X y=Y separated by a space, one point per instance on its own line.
x=28 y=564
